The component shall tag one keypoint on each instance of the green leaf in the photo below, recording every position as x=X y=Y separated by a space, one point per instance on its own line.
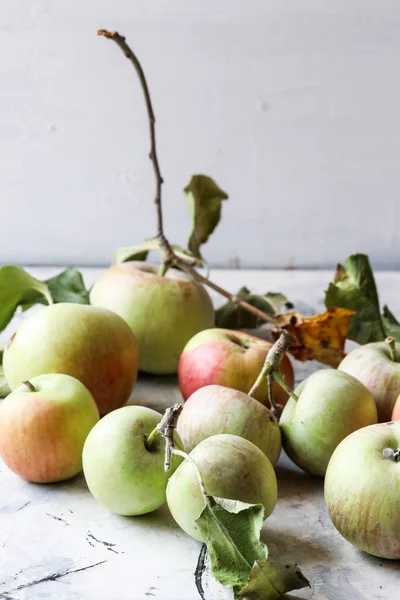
x=18 y=288
x=354 y=288
x=139 y=252
x=231 y=316
x=269 y=580
x=231 y=531
x=391 y=324
x=204 y=199
x=68 y=286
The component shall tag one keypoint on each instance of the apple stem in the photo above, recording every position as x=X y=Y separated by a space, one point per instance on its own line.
x=391 y=454
x=270 y=370
x=30 y=387
x=279 y=379
x=149 y=439
x=391 y=342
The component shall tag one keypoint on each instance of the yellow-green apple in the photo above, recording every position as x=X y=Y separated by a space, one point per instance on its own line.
x=43 y=426
x=374 y=365
x=330 y=406
x=232 y=359
x=217 y=409
x=231 y=467
x=396 y=410
x=164 y=312
x=92 y=344
x=124 y=469
x=362 y=489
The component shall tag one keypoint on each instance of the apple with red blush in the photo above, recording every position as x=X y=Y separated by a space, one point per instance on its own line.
x=232 y=359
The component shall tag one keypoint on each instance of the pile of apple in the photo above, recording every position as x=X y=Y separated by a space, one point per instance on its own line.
x=70 y=364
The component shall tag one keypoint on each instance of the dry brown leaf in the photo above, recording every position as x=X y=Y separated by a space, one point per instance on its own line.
x=319 y=337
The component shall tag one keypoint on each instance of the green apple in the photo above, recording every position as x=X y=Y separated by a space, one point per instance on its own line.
x=89 y=343
x=231 y=467
x=376 y=367
x=163 y=312
x=330 y=406
x=230 y=358
x=362 y=489
x=217 y=409
x=123 y=471
x=43 y=426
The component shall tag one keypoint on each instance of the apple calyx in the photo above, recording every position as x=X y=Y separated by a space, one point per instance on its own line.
x=391 y=342
x=271 y=371
x=30 y=387
x=391 y=454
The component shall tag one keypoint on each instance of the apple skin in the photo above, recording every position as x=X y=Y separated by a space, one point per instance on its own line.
x=163 y=312
x=331 y=405
x=42 y=432
x=231 y=467
x=121 y=473
x=91 y=344
x=230 y=358
x=396 y=410
x=216 y=409
x=362 y=490
x=372 y=365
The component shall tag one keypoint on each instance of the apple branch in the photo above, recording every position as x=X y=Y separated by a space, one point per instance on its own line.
x=166 y=428
x=271 y=371
x=130 y=55
x=169 y=256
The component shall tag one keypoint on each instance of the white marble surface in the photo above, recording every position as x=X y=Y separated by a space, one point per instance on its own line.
x=57 y=543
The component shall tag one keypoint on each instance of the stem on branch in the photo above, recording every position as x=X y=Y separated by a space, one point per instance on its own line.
x=271 y=371
x=391 y=342
x=169 y=256
x=166 y=428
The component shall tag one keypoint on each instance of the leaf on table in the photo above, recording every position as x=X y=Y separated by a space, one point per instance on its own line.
x=391 y=324
x=18 y=288
x=354 y=288
x=204 y=199
x=139 y=252
x=68 y=286
x=231 y=531
x=232 y=316
x=319 y=337
x=270 y=579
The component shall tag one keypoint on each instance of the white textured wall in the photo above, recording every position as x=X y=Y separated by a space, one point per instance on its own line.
x=292 y=106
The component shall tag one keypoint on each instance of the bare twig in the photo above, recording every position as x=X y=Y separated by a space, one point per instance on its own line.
x=270 y=370
x=130 y=55
x=166 y=428
x=169 y=256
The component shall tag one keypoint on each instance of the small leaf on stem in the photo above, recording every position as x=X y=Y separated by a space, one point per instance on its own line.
x=231 y=531
x=319 y=337
x=232 y=316
x=270 y=579
x=204 y=198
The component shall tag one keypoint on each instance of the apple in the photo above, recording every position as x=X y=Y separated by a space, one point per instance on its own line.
x=396 y=410
x=232 y=359
x=43 y=426
x=89 y=343
x=374 y=366
x=231 y=467
x=330 y=406
x=362 y=489
x=216 y=409
x=123 y=471
x=164 y=312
